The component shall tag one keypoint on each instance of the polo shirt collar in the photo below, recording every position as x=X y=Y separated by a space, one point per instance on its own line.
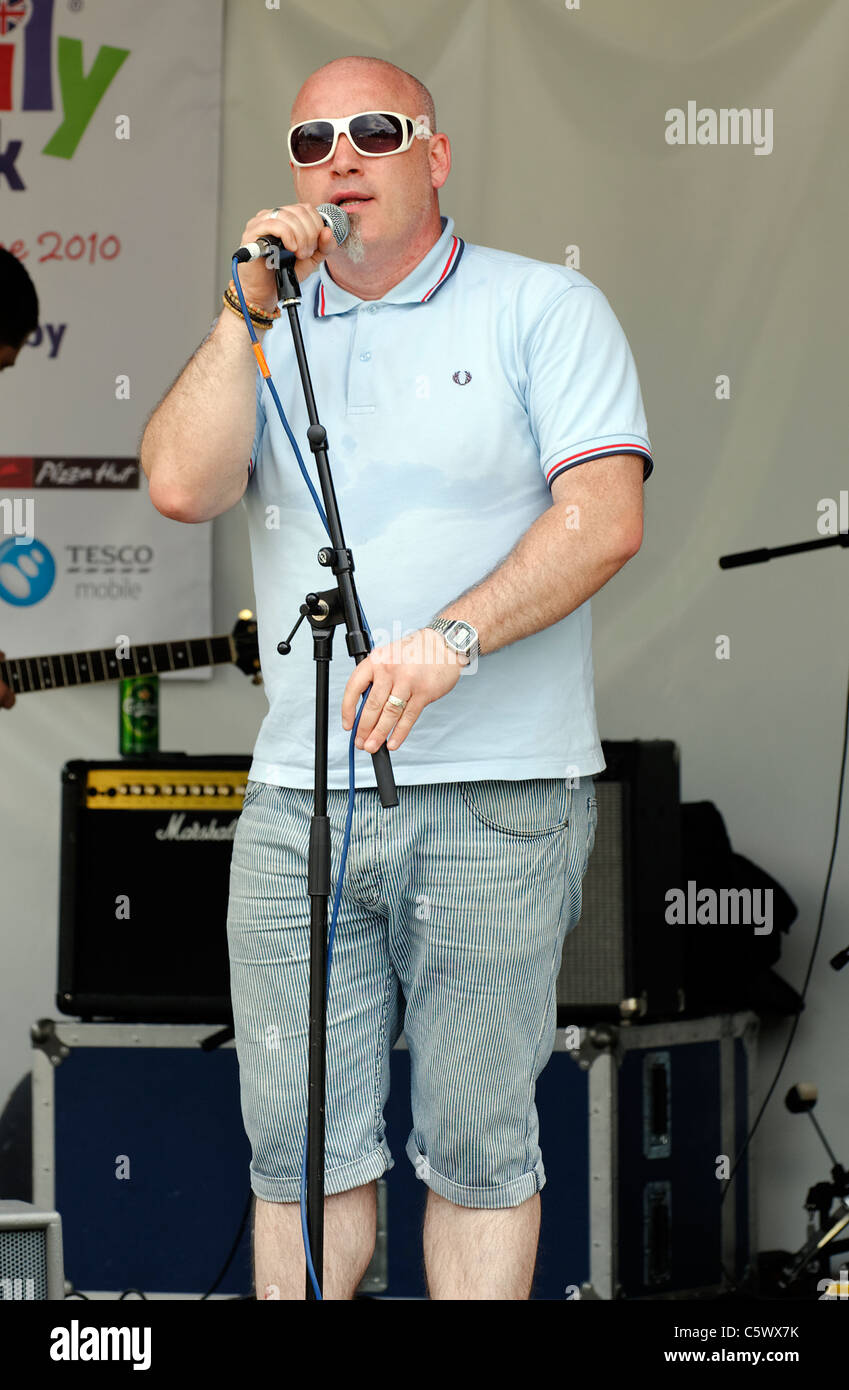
x=424 y=281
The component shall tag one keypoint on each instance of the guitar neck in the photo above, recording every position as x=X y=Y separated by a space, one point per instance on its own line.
x=92 y=667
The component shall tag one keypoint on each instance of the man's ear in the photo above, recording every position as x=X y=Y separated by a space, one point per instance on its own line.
x=440 y=160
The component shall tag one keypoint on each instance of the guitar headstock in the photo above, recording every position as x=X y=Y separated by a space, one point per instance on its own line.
x=246 y=642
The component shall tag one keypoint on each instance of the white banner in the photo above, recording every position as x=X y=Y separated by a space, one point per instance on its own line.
x=109 y=153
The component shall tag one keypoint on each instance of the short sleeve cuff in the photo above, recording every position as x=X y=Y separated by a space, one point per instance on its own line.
x=572 y=455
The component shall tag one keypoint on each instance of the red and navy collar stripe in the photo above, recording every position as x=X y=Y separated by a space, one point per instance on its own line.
x=455 y=252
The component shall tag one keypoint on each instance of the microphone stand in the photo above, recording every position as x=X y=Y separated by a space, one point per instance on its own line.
x=759 y=557
x=819 y=1196
x=323 y=611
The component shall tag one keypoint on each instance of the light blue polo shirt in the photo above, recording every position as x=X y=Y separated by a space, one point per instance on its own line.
x=451 y=405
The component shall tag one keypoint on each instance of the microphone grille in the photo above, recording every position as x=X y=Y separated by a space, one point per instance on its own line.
x=337 y=220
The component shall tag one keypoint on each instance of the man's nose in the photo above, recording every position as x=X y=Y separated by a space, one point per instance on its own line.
x=345 y=157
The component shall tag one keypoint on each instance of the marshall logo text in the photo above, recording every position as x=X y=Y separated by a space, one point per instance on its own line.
x=176 y=830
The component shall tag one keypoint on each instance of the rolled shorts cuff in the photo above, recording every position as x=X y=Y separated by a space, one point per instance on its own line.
x=511 y=1194
x=342 y=1179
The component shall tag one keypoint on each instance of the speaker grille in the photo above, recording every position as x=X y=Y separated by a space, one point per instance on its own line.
x=23 y=1264
x=593 y=967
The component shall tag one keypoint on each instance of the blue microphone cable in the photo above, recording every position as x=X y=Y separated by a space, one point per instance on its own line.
x=348 y=819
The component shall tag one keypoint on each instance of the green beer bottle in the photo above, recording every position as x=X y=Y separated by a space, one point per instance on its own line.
x=139 y=715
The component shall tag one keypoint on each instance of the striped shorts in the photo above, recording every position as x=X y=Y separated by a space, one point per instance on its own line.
x=455 y=905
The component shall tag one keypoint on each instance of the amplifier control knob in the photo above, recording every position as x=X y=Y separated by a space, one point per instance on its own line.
x=135 y=789
x=151 y=791
x=224 y=791
x=181 y=791
x=209 y=791
x=122 y=789
x=167 y=789
x=194 y=790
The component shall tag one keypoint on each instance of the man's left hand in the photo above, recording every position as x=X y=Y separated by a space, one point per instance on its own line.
x=420 y=668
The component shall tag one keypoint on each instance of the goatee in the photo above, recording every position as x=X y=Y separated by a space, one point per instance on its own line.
x=353 y=245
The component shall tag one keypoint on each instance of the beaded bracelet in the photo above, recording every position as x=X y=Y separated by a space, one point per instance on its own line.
x=254 y=310
x=257 y=322
x=259 y=309
x=256 y=313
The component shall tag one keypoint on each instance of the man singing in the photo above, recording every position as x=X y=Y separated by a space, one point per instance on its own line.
x=488 y=447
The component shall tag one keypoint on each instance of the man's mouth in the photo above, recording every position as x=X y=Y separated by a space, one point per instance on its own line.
x=351 y=201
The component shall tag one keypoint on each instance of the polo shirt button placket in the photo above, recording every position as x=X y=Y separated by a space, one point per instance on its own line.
x=359 y=392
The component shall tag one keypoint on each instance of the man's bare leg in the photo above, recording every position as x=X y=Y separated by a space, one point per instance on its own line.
x=472 y=1252
x=350 y=1229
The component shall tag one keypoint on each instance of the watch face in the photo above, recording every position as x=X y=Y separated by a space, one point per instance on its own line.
x=461 y=636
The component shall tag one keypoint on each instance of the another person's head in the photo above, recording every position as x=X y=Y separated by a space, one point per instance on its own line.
x=401 y=188
x=18 y=307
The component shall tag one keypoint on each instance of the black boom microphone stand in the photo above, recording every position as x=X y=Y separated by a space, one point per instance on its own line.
x=323 y=610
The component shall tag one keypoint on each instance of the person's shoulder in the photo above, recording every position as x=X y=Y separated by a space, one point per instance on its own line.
x=535 y=283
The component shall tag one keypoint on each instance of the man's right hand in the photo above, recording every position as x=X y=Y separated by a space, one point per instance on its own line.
x=7 y=694
x=301 y=231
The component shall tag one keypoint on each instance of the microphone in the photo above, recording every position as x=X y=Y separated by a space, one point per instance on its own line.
x=333 y=217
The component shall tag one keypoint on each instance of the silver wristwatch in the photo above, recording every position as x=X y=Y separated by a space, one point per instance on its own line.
x=460 y=636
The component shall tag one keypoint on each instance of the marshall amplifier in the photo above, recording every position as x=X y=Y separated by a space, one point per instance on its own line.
x=145 y=873
x=623 y=960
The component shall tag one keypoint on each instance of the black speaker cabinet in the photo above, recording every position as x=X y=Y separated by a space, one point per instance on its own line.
x=145 y=875
x=623 y=960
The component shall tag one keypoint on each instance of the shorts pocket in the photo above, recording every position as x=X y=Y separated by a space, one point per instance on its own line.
x=524 y=810
x=252 y=791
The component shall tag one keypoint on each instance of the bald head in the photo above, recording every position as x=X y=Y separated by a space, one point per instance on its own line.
x=401 y=90
x=391 y=199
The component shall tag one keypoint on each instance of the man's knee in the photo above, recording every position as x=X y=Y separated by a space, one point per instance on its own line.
x=362 y=1193
x=355 y=1195
x=436 y=1201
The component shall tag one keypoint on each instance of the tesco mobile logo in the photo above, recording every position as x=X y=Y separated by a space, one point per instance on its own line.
x=27 y=570
x=26 y=79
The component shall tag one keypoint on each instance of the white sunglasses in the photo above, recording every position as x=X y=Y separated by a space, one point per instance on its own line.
x=372 y=133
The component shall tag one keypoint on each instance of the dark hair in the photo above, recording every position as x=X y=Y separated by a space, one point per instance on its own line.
x=18 y=301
